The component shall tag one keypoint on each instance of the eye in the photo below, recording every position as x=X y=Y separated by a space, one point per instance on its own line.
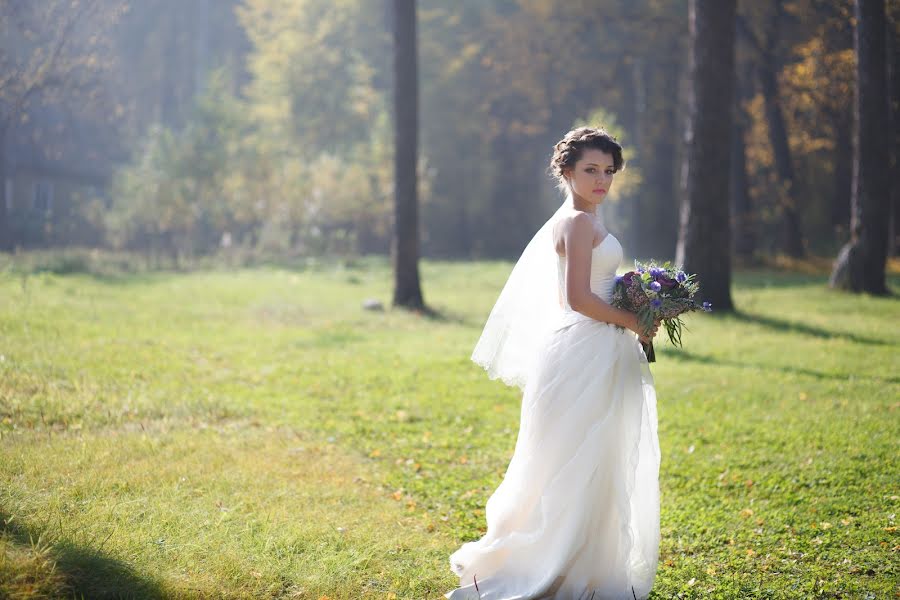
x=610 y=172
x=590 y=169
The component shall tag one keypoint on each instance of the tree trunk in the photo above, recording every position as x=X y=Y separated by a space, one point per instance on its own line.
x=791 y=232
x=843 y=176
x=743 y=225
x=704 y=242
x=893 y=50
x=860 y=266
x=405 y=246
x=6 y=244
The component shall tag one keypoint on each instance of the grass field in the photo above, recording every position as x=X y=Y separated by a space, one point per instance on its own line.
x=256 y=434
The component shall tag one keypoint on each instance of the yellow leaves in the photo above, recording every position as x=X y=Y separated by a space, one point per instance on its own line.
x=375 y=453
x=397 y=495
x=747 y=512
x=463 y=460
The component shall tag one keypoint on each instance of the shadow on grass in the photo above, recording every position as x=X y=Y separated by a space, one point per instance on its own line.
x=440 y=315
x=763 y=277
x=687 y=356
x=766 y=278
x=783 y=326
x=86 y=572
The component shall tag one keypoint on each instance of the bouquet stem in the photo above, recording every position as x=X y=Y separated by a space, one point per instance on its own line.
x=649 y=352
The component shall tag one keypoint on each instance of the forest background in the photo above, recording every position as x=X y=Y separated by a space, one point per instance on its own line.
x=263 y=128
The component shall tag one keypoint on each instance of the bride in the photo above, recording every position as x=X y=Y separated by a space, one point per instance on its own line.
x=576 y=516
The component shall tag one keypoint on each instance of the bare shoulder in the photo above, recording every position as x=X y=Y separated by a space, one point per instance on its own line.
x=575 y=225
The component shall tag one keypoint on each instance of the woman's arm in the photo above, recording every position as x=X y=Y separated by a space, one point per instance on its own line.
x=578 y=235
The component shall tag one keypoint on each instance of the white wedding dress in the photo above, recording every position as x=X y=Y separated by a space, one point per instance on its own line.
x=576 y=516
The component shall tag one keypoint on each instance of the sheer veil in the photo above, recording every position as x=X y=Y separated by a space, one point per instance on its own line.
x=525 y=311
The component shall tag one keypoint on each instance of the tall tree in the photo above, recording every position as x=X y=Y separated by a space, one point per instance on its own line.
x=769 y=66
x=47 y=53
x=860 y=266
x=743 y=230
x=894 y=114
x=743 y=220
x=405 y=241
x=704 y=242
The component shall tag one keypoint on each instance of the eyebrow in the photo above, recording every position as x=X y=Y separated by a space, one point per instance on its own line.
x=596 y=165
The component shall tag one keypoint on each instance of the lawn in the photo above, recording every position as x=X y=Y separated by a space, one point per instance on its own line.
x=256 y=434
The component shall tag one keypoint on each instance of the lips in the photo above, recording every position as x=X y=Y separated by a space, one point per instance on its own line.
x=599 y=190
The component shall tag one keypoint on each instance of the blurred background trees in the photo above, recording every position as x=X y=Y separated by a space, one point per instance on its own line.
x=187 y=128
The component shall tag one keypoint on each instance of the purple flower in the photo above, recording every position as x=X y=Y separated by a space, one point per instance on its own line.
x=667 y=282
x=681 y=276
x=707 y=306
x=654 y=285
x=619 y=278
x=627 y=277
x=656 y=302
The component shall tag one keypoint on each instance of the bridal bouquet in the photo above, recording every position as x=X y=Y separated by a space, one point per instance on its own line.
x=658 y=292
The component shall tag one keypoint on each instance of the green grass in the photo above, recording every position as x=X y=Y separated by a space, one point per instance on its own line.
x=257 y=434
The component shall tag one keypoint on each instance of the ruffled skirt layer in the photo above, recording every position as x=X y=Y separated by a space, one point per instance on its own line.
x=577 y=513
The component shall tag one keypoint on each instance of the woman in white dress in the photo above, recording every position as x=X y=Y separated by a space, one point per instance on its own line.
x=576 y=516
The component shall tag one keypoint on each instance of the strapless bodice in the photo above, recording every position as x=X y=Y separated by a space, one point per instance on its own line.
x=605 y=260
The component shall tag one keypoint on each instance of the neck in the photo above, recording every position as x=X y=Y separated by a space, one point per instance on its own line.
x=583 y=205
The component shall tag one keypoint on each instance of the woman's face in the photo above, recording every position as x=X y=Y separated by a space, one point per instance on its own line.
x=592 y=176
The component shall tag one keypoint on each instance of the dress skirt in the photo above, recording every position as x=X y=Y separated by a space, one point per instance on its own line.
x=576 y=515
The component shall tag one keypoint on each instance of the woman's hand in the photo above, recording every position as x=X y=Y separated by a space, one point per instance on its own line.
x=648 y=337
